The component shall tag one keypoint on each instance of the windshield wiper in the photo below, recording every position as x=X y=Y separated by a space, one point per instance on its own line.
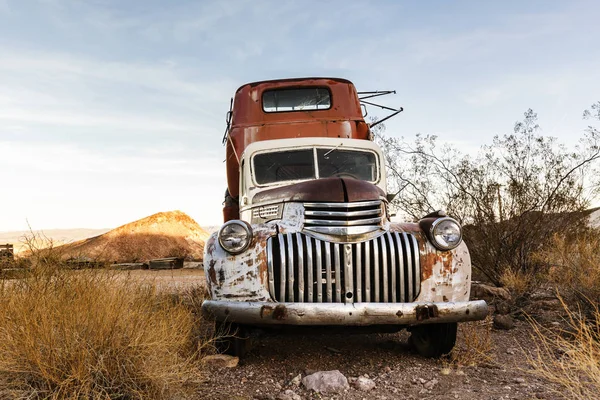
x=330 y=151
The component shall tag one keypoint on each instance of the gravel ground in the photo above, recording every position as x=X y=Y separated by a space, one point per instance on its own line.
x=270 y=368
x=276 y=358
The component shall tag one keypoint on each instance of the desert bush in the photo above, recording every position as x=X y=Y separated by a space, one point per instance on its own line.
x=574 y=267
x=475 y=347
x=89 y=334
x=511 y=197
x=569 y=358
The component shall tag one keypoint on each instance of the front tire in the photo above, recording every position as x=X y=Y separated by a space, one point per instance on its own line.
x=435 y=340
x=232 y=339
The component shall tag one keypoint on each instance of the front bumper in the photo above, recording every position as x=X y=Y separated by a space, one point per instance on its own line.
x=356 y=314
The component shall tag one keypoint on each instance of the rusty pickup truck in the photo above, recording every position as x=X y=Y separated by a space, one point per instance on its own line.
x=308 y=239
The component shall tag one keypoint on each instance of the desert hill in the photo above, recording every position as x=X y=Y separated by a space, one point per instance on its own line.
x=165 y=234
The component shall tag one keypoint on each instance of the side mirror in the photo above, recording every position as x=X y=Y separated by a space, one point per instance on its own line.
x=364 y=110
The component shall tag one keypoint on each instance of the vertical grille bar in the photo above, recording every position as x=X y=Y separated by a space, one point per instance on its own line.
x=409 y=271
x=384 y=269
x=376 y=269
x=401 y=267
x=329 y=296
x=338 y=278
x=348 y=275
x=415 y=263
x=393 y=281
x=368 y=290
x=319 y=277
x=310 y=282
x=283 y=272
x=270 y=268
x=358 y=267
x=290 y=256
x=301 y=266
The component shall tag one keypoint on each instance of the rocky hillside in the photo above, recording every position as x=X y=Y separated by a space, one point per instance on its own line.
x=165 y=234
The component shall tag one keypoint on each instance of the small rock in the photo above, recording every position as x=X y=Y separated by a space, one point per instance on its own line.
x=503 y=308
x=326 y=382
x=297 y=379
x=519 y=380
x=511 y=351
x=289 y=395
x=221 y=361
x=489 y=293
x=445 y=371
x=422 y=380
x=364 y=384
x=460 y=372
x=431 y=384
x=504 y=322
x=387 y=370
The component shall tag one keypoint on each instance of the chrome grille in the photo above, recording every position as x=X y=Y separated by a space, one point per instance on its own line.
x=382 y=270
x=363 y=213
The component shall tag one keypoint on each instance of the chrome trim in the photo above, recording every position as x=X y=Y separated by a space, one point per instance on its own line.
x=322 y=222
x=337 y=263
x=319 y=276
x=384 y=268
x=283 y=268
x=348 y=274
x=329 y=294
x=358 y=272
x=344 y=205
x=415 y=253
x=309 y=269
x=409 y=254
x=300 y=254
x=392 y=266
x=357 y=314
x=401 y=269
x=321 y=213
x=376 y=269
x=290 y=269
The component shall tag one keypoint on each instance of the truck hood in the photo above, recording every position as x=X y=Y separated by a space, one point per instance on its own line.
x=330 y=190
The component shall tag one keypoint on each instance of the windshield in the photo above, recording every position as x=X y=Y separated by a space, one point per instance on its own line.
x=293 y=165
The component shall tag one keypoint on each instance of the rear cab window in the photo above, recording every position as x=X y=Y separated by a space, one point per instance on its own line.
x=296 y=99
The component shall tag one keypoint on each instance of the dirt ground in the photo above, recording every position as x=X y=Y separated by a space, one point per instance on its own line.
x=277 y=358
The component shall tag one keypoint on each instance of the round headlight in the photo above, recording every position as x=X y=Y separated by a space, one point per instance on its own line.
x=235 y=236
x=446 y=233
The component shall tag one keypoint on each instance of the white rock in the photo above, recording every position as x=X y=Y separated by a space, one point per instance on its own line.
x=364 y=384
x=431 y=384
x=326 y=382
x=297 y=379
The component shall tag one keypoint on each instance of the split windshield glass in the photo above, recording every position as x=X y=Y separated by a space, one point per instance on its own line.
x=295 y=165
x=301 y=99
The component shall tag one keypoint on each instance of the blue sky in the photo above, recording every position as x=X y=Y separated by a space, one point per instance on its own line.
x=114 y=110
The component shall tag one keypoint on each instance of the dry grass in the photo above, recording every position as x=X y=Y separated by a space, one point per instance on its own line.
x=474 y=346
x=570 y=358
x=88 y=334
x=519 y=283
x=575 y=268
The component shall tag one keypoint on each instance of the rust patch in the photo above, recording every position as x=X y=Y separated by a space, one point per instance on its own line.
x=266 y=311
x=280 y=312
x=428 y=260
x=426 y=312
x=212 y=273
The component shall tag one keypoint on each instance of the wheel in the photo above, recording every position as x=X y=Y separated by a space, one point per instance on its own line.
x=232 y=339
x=435 y=340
